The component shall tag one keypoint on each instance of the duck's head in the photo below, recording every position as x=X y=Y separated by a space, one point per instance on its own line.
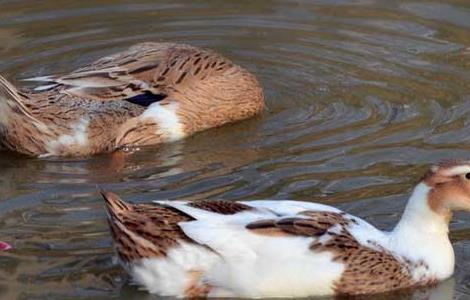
x=449 y=186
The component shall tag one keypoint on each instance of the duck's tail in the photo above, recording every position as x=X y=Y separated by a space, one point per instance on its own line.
x=115 y=206
x=20 y=131
x=11 y=103
x=130 y=230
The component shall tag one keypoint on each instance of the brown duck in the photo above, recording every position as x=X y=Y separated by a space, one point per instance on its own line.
x=149 y=94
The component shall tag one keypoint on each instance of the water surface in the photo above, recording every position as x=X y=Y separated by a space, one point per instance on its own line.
x=361 y=97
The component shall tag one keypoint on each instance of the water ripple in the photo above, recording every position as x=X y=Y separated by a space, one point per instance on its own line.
x=361 y=97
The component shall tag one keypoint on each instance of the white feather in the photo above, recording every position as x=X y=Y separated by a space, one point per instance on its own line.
x=40 y=78
x=457 y=171
x=167 y=120
x=78 y=137
x=289 y=207
x=245 y=264
x=169 y=276
x=44 y=87
x=255 y=265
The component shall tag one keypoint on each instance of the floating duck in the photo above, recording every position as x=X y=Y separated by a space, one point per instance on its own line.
x=150 y=94
x=268 y=248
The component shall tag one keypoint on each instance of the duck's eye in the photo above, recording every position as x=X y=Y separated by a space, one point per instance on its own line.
x=467 y=175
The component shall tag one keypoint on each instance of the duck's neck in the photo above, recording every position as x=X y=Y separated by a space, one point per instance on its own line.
x=422 y=234
x=419 y=217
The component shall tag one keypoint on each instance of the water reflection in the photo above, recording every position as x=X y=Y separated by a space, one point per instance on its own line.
x=362 y=96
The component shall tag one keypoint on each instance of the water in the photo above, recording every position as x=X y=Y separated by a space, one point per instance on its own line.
x=361 y=97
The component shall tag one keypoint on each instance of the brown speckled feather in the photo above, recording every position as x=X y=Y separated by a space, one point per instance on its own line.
x=158 y=68
x=220 y=206
x=143 y=231
x=316 y=224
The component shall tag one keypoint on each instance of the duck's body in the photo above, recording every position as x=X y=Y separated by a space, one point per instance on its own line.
x=150 y=94
x=281 y=248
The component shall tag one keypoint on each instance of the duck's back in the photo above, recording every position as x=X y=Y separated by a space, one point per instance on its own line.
x=156 y=68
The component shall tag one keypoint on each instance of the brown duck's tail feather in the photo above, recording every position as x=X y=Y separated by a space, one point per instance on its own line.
x=11 y=102
x=115 y=205
x=130 y=242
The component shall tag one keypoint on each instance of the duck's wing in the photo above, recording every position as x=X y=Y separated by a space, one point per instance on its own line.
x=312 y=224
x=230 y=228
x=241 y=234
x=304 y=244
x=143 y=74
x=321 y=227
x=275 y=247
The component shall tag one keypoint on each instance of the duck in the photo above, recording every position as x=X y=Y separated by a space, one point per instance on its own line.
x=285 y=248
x=151 y=93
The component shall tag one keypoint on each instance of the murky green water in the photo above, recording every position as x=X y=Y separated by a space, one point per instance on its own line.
x=362 y=96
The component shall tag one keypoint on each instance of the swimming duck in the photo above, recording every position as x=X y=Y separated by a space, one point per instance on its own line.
x=149 y=94
x=276 y=248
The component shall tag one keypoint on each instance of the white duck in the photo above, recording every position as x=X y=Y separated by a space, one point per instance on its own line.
x=288 y=248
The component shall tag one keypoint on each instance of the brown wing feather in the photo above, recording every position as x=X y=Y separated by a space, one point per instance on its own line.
x=316 y=224
x=157 y=68
x=220 y=206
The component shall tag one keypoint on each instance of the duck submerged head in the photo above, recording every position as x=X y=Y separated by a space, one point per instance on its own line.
x=449 y=187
